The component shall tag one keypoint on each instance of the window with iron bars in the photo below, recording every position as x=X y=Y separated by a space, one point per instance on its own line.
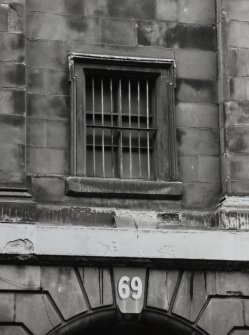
x=120 y=127
x=122 y=122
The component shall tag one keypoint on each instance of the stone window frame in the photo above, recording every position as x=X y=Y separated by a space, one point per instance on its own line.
x=167 y=184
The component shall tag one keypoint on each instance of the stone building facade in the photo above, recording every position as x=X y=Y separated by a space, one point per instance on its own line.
x=83 y=253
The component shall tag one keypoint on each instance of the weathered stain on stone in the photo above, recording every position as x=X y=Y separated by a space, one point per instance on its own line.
x=174 y=35
x=19 y=246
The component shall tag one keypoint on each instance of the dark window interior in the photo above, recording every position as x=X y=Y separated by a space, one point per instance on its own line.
x=120 y=123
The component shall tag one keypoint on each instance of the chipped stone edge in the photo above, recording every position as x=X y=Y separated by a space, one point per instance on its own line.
x=126 y=243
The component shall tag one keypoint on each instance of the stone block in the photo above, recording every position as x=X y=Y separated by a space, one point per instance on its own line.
x=188 y=168
x=14 y=277
x=191 y=295
x=12 y=157
x=139 y=9
x=238 y=166
x=221 y=315
x=239 y=62
x=36 y=133
x=63 y=27
x=197 y=11
x=49 y=81
x=196 y=115
x=161 y=287
x=238 y=34
x=174 y=35
x=193 y=90
x=167 y=10
x=12 y=75
x=16 y=19
x=98 y=286
x=12 y=102
x=12 y=47
x=57 y=134
x=47 y=54
x=36 y=309
x=238 y=188
x=237 y=139
x=45 y=161
x=45 y=188
x=75 y=7
x=96 y=8
x=48 y=106
x=236 y=113
x=152 y=33
x=200 y=195
x=198 y=141
x=4 y=17
x=238 y=88
x=11 y=164
x=64 y=288
x=7 y=308
x=57 y=83
x=120 y=32
x=196 y=64
x=232 y=283
x=236 y=10
x=12 y=129
x=12 y=330
x=209 y=169
x=36 y=80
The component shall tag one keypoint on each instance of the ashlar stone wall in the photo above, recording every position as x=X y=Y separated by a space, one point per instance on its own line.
x=41 y=300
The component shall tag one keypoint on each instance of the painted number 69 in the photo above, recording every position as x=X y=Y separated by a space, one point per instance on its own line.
x=130 y=288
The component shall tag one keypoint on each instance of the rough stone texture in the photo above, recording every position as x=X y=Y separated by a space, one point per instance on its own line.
x=7 y=312
x=12 y=102
x=3 y=17
x=217 y=300
x=19 y=277
x=119 y=32
x=188 y=302
x=223 y=324
x=197 y=91
x=98 y=287
x=172 y=35
x=187 y=11
x=64 y=27
x=161 y=288
x=198 y=141
x=12 y=330
x=48 y=188
x=196 y=64
x=36 y=309
x=182 y=30
x=47 y=161
x=62 y=284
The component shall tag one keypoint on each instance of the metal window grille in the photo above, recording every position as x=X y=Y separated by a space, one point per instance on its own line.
x=120 y=131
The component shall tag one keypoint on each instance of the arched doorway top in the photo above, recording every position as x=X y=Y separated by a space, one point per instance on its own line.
x=111 y=321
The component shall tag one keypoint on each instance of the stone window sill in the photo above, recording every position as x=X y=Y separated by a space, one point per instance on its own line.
x=106 y=187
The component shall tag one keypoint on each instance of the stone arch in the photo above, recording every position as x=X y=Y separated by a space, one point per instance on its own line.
x=111 y=319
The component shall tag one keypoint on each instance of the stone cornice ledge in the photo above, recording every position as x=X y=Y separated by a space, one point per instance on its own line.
x=74 y=241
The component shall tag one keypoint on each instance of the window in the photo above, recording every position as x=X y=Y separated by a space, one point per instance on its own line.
x=122 y=125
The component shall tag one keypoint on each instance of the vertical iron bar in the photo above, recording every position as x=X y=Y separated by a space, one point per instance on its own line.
x=93 y=111
x=121 y=133
x=111 y=95
x=103 y=131
x=148 y=124
x=130 y=151
x=138 y=124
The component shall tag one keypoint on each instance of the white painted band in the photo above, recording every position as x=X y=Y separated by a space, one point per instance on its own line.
x=115 y=242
